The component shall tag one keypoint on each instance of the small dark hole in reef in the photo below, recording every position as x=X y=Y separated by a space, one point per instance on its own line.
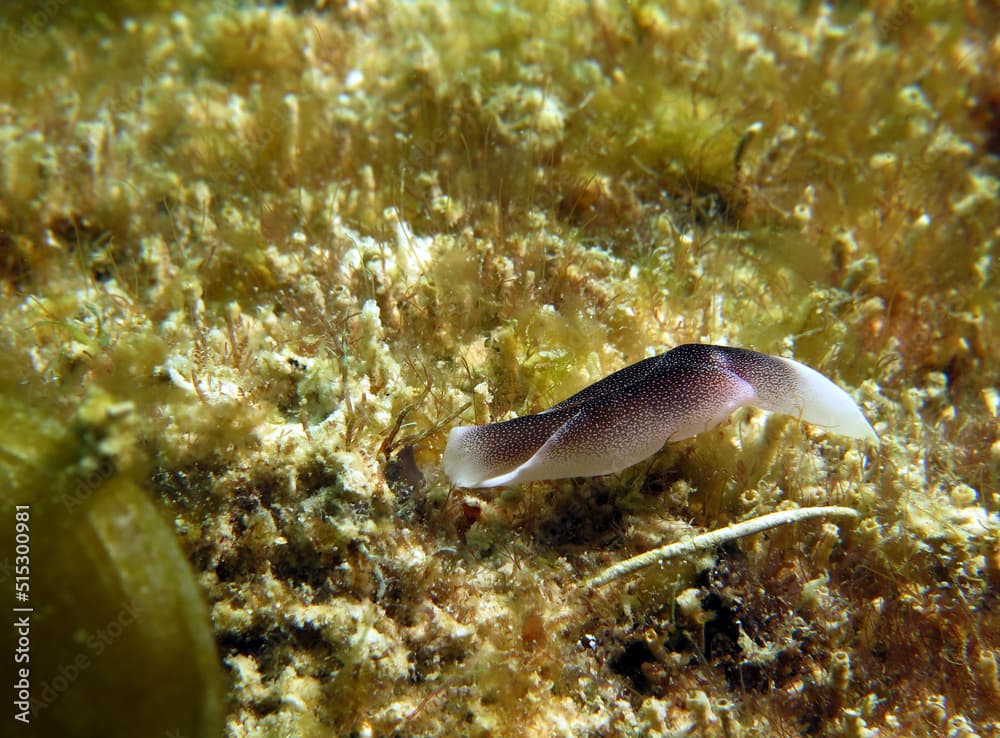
x=257 y=641
x=397 y=602
x=404 y=478
x=580 y=517
x=315 y=476
x=14 y=265
x=229 y=570
x=677 y=641
x=722 y=632
x=75 y=230
x=629 y=665
x=246 y=502
x=302 y=564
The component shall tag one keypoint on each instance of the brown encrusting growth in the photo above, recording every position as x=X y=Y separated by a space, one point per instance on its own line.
x=260 y=258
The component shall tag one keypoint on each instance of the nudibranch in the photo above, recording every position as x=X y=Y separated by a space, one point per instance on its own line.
x=628 y=416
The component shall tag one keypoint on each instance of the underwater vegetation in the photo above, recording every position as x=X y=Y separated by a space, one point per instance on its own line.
x=112 y=633
x=256 y=261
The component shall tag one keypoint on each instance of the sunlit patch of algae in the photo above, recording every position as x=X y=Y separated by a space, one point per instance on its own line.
x=303 y=241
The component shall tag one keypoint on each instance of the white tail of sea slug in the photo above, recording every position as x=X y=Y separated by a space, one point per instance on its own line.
x=629 y=415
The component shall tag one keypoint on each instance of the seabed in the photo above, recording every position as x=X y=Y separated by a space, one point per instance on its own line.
x=256 y=260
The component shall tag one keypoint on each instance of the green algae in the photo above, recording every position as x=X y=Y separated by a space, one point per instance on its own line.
x=300 y=240
x=117 y=623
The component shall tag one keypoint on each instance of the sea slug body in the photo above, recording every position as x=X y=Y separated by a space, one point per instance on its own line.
x=629 y=415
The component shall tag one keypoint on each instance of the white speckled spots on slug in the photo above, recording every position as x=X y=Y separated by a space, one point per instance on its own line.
x=628 y=416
